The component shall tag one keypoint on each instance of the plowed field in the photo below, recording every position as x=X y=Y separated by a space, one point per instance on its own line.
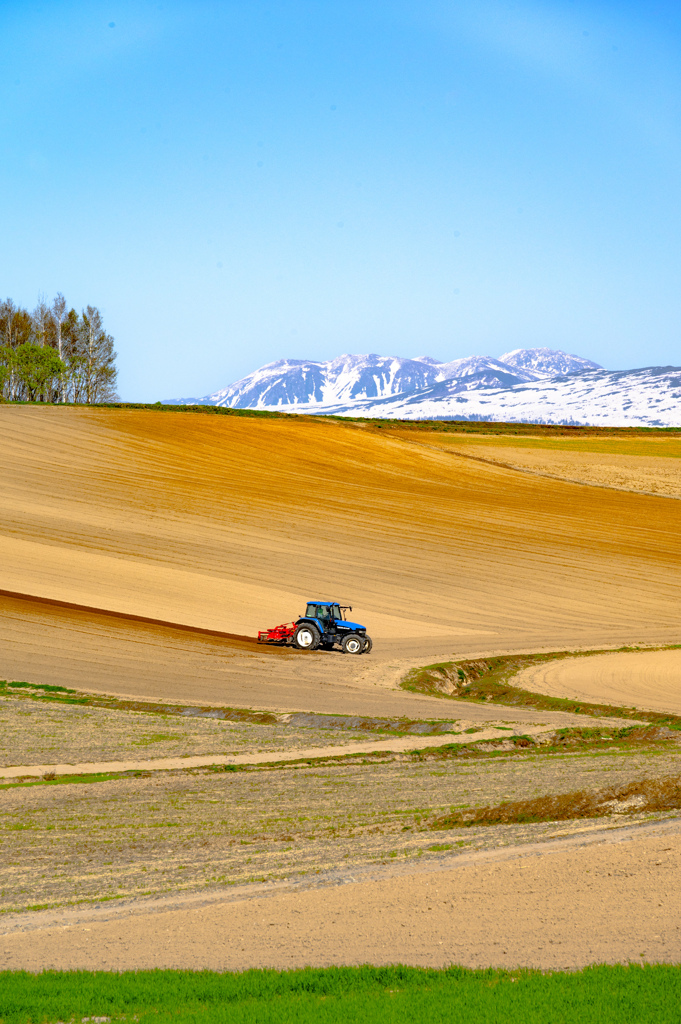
x=231 y=523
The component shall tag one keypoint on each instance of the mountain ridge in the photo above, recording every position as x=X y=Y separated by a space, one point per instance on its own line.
x=349 y=378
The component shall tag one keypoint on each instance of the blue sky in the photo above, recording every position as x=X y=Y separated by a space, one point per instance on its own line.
x=235 y=182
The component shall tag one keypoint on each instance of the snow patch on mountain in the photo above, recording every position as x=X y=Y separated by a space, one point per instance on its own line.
x=647 y=397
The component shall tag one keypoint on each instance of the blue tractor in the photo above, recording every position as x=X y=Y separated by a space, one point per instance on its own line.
x=324 y=625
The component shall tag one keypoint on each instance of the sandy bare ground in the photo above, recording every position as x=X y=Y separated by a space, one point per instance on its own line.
x=604 y=896
x=190 y=518
x=658 y=473
x=649 y=680
x=44 y=644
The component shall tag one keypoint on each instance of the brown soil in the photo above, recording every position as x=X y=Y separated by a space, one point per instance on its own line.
x=188 y=519
x=590 y=897
x=650 y=680
x=227 y=525
x=642 y=465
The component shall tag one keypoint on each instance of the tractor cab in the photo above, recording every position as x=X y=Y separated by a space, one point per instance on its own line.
x=330 y=616
x=324 y=611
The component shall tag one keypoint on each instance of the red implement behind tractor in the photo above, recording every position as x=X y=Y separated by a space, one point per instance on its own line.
x=278 y=634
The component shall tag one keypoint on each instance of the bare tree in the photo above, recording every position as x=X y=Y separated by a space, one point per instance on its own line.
x=15 y=324
x=99 y=358
x=58 y=313
x=40 y=319
x=15 y=330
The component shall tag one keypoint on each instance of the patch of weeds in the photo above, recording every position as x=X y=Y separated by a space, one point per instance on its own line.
x=64 y=695
x=568 y=740
x=50 y=779
x=440 y=847
x=34 y=686
x=645 y=795
x=487 y=680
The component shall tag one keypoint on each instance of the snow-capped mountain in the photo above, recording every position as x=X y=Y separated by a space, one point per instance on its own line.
x=295 y=382
x=347 y=378
x=546 y=362
x=649 y=397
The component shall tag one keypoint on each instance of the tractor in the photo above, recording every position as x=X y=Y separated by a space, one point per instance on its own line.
x=323 y=625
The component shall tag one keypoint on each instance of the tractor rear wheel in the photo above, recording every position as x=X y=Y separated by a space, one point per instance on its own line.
x=367 y=645
x=306 y=637
x=352 y=644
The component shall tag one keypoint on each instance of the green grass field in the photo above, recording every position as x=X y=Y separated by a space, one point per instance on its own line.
x=625 y=994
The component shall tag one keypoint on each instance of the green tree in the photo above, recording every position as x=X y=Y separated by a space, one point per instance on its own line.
x=37 y=368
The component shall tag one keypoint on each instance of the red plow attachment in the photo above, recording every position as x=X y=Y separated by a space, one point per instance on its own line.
x=278 y=634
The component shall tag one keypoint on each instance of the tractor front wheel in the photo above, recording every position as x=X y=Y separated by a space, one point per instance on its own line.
x=367 y=645
x=352 y=644
x=306 y=637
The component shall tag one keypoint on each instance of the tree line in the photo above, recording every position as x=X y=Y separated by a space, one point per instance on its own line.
x=55 y=354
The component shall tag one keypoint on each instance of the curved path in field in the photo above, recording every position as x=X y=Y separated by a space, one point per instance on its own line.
x=374 y=745
x=647 y=680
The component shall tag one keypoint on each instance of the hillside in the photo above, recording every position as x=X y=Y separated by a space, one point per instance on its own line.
x=230 y=523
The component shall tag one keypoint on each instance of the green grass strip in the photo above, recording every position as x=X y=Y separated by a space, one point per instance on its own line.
x=606 y=994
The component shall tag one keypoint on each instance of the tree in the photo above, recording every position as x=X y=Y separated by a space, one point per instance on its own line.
x=58 y=314
x=41 y=321
x=6 y=354
x=15 y=324
x=36 y=368
x=98 y=358
x=79 y=364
